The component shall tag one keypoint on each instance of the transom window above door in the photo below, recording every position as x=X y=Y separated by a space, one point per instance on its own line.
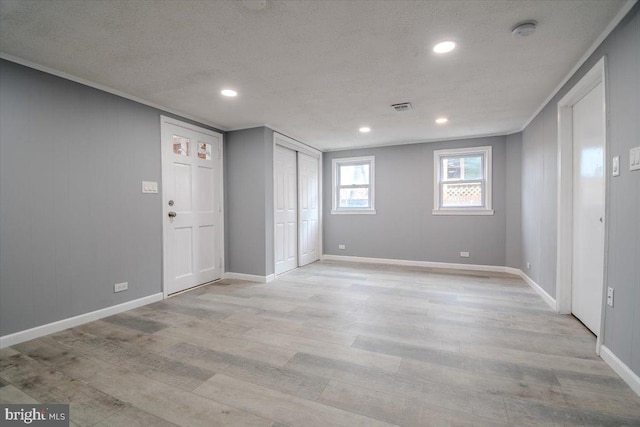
x=462 y=181
x=353 y=185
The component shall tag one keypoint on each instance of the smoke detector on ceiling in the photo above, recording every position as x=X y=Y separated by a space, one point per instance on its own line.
x=524 y=29
x=403 y=106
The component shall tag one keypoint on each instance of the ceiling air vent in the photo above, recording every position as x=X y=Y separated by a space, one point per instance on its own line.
x=403 y=106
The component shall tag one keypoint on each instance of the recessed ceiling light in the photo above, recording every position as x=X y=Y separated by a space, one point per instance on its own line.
x=229 y=92
x=441 y=120
x=444 y=47
x=365 y=129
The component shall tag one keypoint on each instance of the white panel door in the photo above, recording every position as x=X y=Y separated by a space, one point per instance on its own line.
x=588 y=208
x=192 y=199
x=286 y=208
x=309 y=230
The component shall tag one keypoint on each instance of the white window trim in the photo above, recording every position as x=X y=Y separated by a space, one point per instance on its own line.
x=487 y=209
x=334 y=185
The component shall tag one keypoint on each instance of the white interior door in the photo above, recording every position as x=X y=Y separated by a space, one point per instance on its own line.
x=588 y=208
x=192 y=205
x=309 y=230
x=286 y=209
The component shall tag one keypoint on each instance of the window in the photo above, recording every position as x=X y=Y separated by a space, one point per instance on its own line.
x=352 y=190
x=462 y=181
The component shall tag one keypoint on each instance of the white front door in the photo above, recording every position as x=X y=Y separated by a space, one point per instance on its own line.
x=286 y=209
x=192 y=205
x=309 y=230
x=588 y=208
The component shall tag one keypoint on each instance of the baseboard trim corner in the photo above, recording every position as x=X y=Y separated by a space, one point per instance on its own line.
x=449 y=266
x=545 y=296
x=620 y=368
x=61 y=325
x=249 y=277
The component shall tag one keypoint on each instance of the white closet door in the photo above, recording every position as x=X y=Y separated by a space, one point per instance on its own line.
x=286 y=209
x=588 y=208
x=309 y=230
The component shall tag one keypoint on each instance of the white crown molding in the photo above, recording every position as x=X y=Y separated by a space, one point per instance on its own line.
x=423 y=141
x=612 y=25
x=107 y=89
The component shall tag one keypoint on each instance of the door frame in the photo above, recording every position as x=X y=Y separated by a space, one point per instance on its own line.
x=165 y=122
x=564 y=259
x=292 y=144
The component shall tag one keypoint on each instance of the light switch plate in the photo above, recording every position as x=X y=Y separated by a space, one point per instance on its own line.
x=615 y=166
x=149 y=187
x=610 y=296
x=634 y=159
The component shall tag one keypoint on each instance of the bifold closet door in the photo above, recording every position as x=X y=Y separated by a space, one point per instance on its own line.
x=309 y=215
x=286 y=209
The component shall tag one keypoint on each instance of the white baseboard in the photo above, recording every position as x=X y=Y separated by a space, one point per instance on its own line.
x=412 y=263
x=621 y=369
x=545 y=296
x=450 y=266
x=249 y=277
x=60 y=325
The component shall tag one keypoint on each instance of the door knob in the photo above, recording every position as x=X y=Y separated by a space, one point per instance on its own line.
x=172 y=214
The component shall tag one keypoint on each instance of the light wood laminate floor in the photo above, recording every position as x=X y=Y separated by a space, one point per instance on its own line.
x=329 y=344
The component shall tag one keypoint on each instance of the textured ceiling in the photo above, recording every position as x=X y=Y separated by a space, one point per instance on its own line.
x=317 y=70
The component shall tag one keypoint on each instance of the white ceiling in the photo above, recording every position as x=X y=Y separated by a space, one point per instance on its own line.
x=317 y=70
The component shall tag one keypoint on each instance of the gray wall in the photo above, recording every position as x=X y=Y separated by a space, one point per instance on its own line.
x=513 y=201
x=539 y=184
x=73 y=219
x=404 y=227
x=249 y=201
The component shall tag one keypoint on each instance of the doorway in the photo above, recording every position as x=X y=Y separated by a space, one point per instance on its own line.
x=192 y=205
x=581 y=200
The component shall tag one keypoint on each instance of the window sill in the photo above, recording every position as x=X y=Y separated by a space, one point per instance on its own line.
x=462 y=212
x=353 y=212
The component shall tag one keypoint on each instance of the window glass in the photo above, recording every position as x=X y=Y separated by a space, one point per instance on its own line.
x=204 y=150
x=473 y=167
x=452 y=169
x=354 y=198
x=181 y=145
x=461 y=195
x=462 y=183
x=353 y=185
x=354 y=174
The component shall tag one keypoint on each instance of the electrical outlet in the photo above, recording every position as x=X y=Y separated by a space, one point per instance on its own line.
x=464 y=254
x=342 y=247
x=119 y=287
x=528 y=265
x=610 y=297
